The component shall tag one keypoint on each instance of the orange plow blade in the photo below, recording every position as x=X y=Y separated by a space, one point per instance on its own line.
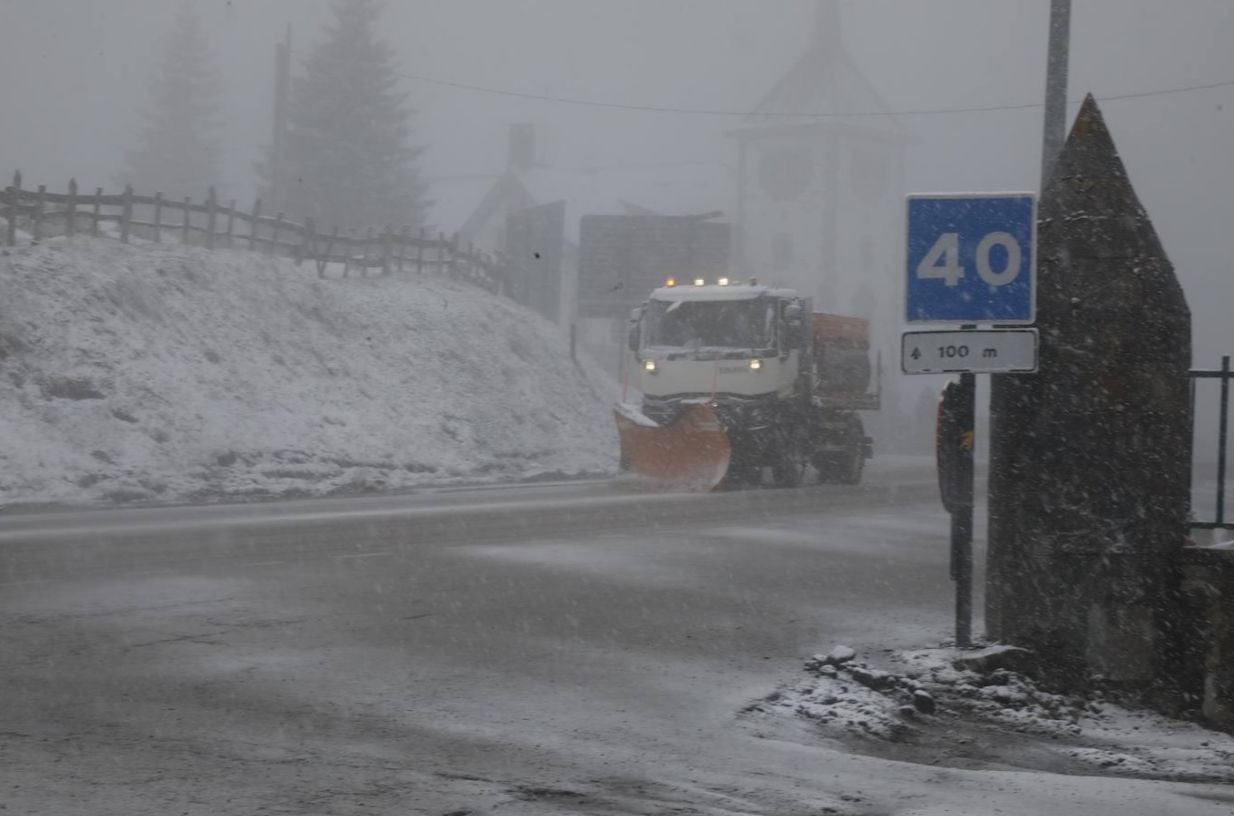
x=693 y=453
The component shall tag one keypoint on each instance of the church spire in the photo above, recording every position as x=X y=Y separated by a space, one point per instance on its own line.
x=825 y=79
x=828 y=35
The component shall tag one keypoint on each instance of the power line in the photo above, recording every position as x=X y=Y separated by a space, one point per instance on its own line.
x=592 y=103
x=719 y=112
x=590 y=169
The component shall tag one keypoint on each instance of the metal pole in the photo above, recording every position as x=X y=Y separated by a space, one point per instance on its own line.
x=1223 y=437
x=1005 y=410
x=1055 y=126
x=962 y=516
x=622 y=370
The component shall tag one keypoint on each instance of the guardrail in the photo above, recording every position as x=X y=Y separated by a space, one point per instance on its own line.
x=213 y=225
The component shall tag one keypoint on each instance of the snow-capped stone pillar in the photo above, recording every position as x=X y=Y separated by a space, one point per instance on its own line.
x=1088 y=507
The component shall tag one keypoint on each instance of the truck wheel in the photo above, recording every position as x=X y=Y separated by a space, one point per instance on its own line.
x=853 y=468
x=741 y=475
x=842 y=468
x=821 y=467
x=744 y=469
x=788 y=468
x=826 y=467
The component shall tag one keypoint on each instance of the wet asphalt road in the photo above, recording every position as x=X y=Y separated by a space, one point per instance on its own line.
x=558 y=649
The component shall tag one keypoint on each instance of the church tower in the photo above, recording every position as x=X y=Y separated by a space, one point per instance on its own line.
x=820 y=183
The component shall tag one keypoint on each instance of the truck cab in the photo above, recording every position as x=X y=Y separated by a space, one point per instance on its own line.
x=723 y=342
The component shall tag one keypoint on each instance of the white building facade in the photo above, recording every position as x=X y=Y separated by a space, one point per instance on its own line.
x=820 y=184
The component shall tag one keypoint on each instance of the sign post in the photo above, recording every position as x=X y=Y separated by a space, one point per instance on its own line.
x=954 y=445
x=970 y=261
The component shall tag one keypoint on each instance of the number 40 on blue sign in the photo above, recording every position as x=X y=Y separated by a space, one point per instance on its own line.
x=971 y=258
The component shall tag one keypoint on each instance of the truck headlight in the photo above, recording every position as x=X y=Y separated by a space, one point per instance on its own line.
x=755 y=365
x=650 y=366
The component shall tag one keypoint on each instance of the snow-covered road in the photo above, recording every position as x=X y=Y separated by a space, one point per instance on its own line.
x=554 y=649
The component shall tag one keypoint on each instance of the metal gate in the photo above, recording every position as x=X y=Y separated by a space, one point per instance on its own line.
x=1223 y=375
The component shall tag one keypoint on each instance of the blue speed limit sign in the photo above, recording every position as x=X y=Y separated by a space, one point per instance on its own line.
x=971 y=258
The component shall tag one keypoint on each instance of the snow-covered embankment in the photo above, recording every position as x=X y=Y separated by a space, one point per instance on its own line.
x=168 y=373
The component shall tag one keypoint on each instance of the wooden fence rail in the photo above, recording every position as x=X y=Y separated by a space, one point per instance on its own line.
x=212 y=225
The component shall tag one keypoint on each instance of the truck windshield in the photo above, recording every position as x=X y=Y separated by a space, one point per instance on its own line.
x=746 y=324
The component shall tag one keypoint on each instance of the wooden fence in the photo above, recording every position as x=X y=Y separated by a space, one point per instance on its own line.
x=214 y=226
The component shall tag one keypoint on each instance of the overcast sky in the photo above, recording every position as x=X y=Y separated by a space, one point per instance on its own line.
x=75 y=74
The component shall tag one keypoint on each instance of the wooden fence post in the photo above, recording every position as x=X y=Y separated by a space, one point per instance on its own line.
x=39 y=201
x=368 y=243
x=308 y=244
x=386 y=238
x=14 y=200
x=274 y=239
x=253 y=224
x=231 y=223
x=454 y=245
x=297 y=251
x=70 y=210
x=321 y=262
x=211 y=216
x=403 y=238
x=126 y=214
x=188 y=220
x=347 y=252
x=420 y=252
x=158 y=218
x=98 y=206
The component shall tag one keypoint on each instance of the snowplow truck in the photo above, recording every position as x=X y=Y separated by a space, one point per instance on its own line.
x=738 y=379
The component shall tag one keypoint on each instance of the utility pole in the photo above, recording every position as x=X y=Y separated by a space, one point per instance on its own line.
x=278 y=139
x=1055 y=126
x=1008 y=407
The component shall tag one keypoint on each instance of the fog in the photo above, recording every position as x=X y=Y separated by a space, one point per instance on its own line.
x=76 y=75
x=315 y=518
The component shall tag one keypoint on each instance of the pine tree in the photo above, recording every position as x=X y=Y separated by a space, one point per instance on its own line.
x=178 y=150
x=347 y=160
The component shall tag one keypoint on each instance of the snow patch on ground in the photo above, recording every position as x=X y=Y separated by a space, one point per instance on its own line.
x=167 y=373
x=918 y=706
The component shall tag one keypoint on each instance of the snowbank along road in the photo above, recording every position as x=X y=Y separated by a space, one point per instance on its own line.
x=164 y=373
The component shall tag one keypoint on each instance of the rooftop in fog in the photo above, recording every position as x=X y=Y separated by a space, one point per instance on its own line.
x=824 y=80
x=667 y=188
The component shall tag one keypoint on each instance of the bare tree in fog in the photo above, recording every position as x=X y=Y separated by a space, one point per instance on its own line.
x=178 y=150
x=348 y=159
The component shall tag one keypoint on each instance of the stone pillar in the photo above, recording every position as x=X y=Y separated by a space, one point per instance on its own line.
x=1088 y=510
x=1209 y=658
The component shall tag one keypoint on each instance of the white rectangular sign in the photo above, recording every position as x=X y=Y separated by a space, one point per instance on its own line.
x=976 y=351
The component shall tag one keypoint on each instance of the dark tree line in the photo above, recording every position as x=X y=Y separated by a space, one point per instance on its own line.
x=347 y=158
x=179 y=149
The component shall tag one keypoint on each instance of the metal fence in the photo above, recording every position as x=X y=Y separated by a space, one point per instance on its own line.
x=1223 y=375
